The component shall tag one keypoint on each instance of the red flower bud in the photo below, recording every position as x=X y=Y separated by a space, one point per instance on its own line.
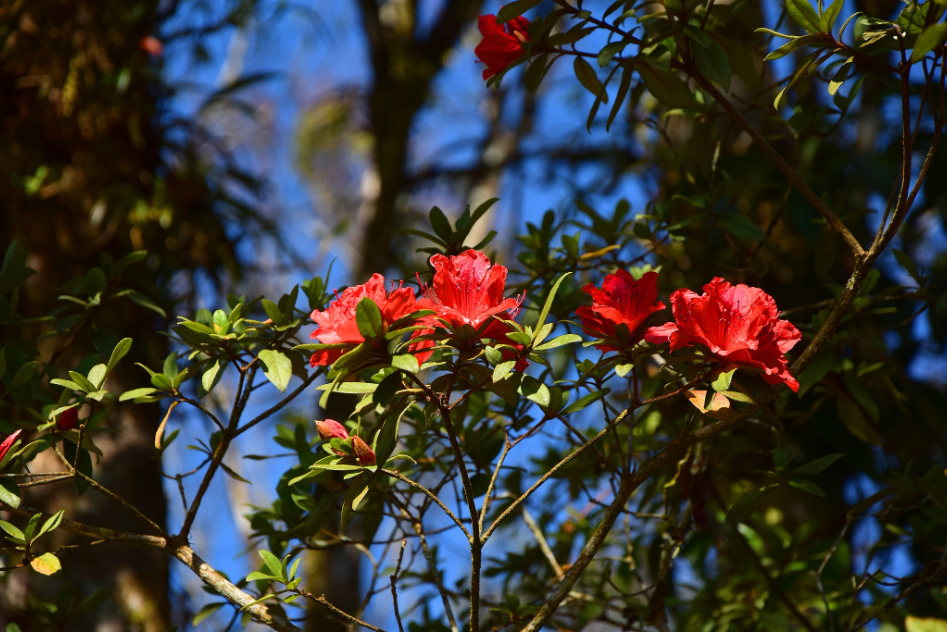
x=330 y=429
x=9 y=441
x=151 y=45
x=364 y=453
x=68 y=419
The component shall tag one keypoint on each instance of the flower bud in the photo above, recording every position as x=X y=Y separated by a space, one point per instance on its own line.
x=68 y=419
x=330 y=429
x=364 y=453
x=9 y=441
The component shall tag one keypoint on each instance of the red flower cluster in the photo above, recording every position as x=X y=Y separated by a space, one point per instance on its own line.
x=337 y=323
x=331 y=429
x=738 y=324
x=500 y=46
x=468 y=290
x=620 y=310
x=8 y=443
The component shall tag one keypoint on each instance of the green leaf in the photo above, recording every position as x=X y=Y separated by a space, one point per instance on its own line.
x=585 y=401
x=722 y=383
x=799 y=73
x=272 y=563
x=827 y=20
x=587 y=77
x=119 y=352
x=25 y=373
x=350 y=387
x=666 y=87
x=276 y=367
x=273 y=312
x=816 y=466
x=536 y=71
x=535 y=391
x=712 y=62
x=549 y=299
x=208 y=611
x=743 y=227
x=406 y=362
x=791 y=46
x=502 y=370
x=623 y=87
x=12 y=530
x=907 y=262
x=808 y=486
x=609 y=51
x=440 y=223
x=97 y=375
x=46 y=564
x=212 y=375
x=743 y=508
x=3 y=362
x=369 y=319
x=515 y=9
x=841 y=75
x=803 y=14
x=52 y=523
x=387 y=437
x=559 y=341
x=135 y=393
x=144 y=301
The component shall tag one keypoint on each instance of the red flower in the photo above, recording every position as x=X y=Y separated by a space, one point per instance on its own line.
x=151 y=45
x=8 y=443
x=337 y=323
x=330 y=429
x=68 y=419
x=499 y=48
x=365 y=455
x=467 y=290
x=738 y=324
x=620 y=309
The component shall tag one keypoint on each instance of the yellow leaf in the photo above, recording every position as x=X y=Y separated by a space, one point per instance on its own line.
x=46 y=564
x=917 y=624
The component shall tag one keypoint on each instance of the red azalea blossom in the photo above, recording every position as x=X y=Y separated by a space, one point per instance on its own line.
x=738 y=324
x=500 y=47
x=330 y=429
x=468 y=290
x=620 y=301
x=8 y=443
x=68 y=419
x=337 y=323
x=365 y=455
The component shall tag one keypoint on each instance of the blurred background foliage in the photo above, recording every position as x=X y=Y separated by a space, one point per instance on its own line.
x=243 y=143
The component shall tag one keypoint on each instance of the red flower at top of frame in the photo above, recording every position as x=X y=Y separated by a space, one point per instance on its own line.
x=620 y=301
x=337 y=323
x=738 y=324
x=8 y=443
x=500 y=46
